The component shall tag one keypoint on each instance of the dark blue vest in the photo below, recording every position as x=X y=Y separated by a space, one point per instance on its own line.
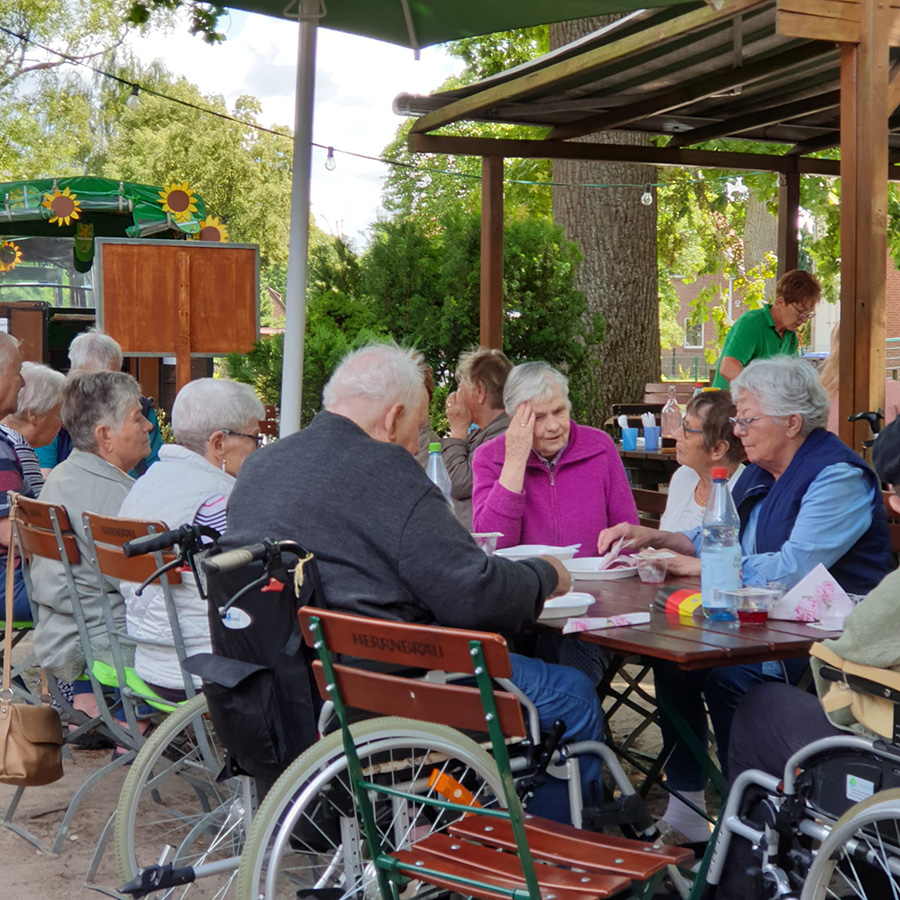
x=863 y=566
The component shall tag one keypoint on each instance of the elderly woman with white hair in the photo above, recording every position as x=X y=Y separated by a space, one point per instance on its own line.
x=102 y=413
x=216 y=425
x=94 y=351
x=36 y=420
x=548 y=480
x=804 y=499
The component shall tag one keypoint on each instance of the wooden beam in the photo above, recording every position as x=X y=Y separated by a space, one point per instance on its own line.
x=816 y=28
x=864 y=149
x=788 y=212
x=771 y=116
x=183 y=338
x=580 y=65
x=690 y=92
x=492 y=252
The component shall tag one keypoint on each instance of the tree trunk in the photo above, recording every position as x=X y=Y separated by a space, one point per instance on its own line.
x=760 y=238
x=617 y=235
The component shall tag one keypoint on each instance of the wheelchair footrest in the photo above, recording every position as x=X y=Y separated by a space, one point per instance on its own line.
x=623 y=810
x=157 y=878
x=552 y=842
x=446 y=856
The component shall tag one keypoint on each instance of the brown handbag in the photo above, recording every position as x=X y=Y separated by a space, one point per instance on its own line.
x=30 y=736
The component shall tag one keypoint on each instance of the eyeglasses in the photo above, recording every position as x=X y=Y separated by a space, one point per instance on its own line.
x=687 y=430
x=258 y=439
x=804 y=315
x=745 y=423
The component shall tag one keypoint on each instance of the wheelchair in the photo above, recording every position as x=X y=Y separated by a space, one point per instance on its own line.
x=243 y=712
x=829 y=826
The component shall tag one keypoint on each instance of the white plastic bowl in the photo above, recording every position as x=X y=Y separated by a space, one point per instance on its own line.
x=527 y=551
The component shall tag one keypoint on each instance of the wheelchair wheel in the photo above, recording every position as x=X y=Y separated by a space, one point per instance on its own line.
x=171 y=796
x=860 y=858
x=308 y=836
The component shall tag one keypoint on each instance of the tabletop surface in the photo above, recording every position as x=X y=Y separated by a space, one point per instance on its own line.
x=692 y=643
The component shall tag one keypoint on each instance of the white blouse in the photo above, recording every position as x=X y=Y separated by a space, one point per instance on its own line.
x=683 y=513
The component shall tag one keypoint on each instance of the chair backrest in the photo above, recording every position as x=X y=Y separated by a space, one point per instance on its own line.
x=417 y=647
x=110 y=533
x=269 y=425
x=35 y=529
x=650 y=506
x=893 y=522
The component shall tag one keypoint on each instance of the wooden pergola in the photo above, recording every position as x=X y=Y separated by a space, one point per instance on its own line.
x=804 y=75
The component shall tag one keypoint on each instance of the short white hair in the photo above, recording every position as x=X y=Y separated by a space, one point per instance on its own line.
x=94 y=351
x=42 y=391
x=8 y=346
x=532 y=382
x=785 y=386
x=384 y=374
x=212 y=404
x=96 y=398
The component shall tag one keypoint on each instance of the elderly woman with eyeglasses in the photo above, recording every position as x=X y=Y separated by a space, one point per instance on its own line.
x=548 y=480
x=804 y=499
x=705 y=440
x=216 y=426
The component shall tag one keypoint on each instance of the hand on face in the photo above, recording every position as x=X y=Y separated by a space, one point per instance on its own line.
x=458 y=415
x=520 y=434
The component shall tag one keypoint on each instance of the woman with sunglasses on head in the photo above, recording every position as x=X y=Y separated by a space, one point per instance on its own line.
x=705 y=440
x=805 y=498
x=216 y=426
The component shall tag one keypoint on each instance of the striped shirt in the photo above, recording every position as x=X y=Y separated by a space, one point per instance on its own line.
x=31 y=467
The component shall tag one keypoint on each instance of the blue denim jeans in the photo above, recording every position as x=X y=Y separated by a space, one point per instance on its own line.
x=723 y=688
x=21 y=606
x=561 y=692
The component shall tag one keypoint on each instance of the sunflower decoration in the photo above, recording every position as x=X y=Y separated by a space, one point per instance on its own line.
x=10 y=255
x=179 y=200
x=63 y=206
x=211 y=229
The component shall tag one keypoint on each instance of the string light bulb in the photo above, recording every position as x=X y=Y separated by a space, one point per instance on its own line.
x=133 y=101
x=647 y=196
x=330 y=161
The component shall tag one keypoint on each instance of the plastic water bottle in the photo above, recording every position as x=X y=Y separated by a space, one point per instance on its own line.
x=720 y=553
x=437 y=471
x=670 y=417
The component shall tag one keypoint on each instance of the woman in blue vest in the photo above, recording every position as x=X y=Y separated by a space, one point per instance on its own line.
x=805 y=498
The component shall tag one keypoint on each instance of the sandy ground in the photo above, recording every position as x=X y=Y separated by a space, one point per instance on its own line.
x=32 y=874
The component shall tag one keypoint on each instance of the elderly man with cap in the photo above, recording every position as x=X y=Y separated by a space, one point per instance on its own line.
x=773 y=721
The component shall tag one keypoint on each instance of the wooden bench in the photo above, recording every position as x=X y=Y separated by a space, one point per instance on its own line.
x=486 y=853
x=650 y=506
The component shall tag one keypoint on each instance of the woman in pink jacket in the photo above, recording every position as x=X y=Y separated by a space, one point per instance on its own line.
x=548 y=480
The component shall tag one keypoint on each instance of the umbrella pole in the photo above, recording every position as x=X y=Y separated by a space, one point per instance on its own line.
x=298 y=246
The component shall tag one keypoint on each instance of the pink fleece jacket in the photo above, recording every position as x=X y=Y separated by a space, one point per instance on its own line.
x=587 y=492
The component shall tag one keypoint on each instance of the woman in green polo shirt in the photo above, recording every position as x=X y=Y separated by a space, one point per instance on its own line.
x=770 y=330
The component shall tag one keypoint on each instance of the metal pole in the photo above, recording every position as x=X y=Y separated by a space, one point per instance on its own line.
x=298 y=246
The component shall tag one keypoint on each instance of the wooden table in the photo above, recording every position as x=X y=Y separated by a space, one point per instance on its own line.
x=691 y=643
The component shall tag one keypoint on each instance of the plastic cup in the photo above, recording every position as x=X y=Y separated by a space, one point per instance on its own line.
x=651 y=437
x=487 y=540
x=652 y=569
x=629 y=438
x=753 y=604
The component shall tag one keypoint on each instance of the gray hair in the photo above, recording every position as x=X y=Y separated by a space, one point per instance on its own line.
x=8 y=346
x=95 y=351
x=43 y=390
x=96 y=398
x=212 y=404
x=532 y=382
x=785 y=386
x=384 y=374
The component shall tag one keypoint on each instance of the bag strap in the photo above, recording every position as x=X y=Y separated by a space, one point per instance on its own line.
x=7 y=637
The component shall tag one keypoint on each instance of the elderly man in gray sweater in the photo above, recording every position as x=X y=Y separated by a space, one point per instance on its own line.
x=387 y=543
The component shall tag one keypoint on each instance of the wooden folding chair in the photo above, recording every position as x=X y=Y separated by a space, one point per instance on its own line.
x=489 y=852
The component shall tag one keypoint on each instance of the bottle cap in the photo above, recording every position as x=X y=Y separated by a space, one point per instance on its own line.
x=434 y=447
x=720 y=473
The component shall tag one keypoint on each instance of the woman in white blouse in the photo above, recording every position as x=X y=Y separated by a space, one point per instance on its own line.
x=705 y=440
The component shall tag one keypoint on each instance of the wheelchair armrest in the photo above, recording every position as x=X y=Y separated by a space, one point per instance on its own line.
x=860 y=684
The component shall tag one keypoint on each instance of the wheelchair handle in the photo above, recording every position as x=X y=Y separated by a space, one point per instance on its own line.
x=234 y=559
x=150 y=543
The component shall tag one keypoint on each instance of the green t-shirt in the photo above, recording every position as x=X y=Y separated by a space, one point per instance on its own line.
x=754 y=336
